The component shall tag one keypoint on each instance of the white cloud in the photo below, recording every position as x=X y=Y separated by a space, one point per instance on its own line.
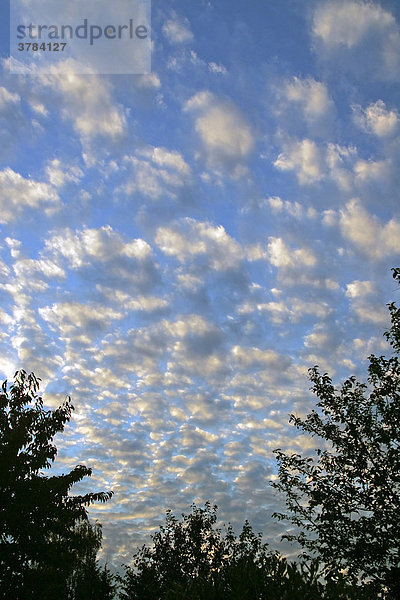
x=195 y=348
x=358 y=288
x=170 y=159
x=177 y=30
x=148 y=81
x=367 y=233
x=185 y=58
x=259 y=359
x=305 y=158
x=348 y=22
x=200 y=101
x=320 y=337
x=149 y=180
x=277 y=312
x=39 y=108
x=370 y=170
x=18 y=193
x=157 y=172
x=28 y=269
x=14 y=245
x=255 y=252
x=186 y=281
x=329 y=217
x=189 y=239
x=293 y=209
x=300 y=308
x=313 y=163
x=311 y=95
x=191 y=324
x=305 y=101
x=15 y=126
x=216 y=68
x=377 y=119
x=340 y=161
x=365 y=304
x=105 y=259
x=347 y=26
x=7 y=98
x=281 y=256
x=138 y=302
x=82 y=321
x=87 y=101
x=226 y=135
x=103 y=244
x=59 y=174
x=36 y=350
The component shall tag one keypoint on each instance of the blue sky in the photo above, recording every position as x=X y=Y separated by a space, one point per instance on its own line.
x=178 y=248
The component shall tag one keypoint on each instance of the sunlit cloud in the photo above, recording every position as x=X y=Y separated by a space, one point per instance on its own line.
x=179 y=247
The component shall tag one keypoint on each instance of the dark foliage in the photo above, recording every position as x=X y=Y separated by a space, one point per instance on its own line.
x=45 y=536
x=345 y=502
x=192 y=560
x=88 y=581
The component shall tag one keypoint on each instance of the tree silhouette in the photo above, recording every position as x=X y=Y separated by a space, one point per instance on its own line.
x=41 y=523
x=88 y=580
x=191 y=559
x=346 y=501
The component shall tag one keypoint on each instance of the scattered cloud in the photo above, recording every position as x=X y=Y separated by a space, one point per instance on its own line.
x=87 y=102
x=173 y=160
x=179 y=247
x=189 y=238
x=59 y=174
x=103 y=244
x=307 y=101
x=313 y=163
x=357 y=288
x=17 y=194
x=347 y=23
x=293 y=209
x=156 y=172
x=7 y=98
x=367 y=304
x=304 y=157
x=361 y=32
x=282 y=256
x=377 y=119
x=367 y=233
x=149 y=81
x=177 y=30
x=87 y=319
x=226 y=136
x=215 y=68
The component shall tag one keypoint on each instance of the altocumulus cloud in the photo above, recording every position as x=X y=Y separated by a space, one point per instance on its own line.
x=226 y=135
x=18 y=193
x=179 y=247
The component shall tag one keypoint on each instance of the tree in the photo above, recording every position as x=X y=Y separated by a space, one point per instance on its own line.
x=88 y=580
x=74 y=574
x=191 y=559
x=41 y=523
x=346 y=500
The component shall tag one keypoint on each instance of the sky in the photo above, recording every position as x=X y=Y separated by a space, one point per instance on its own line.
x=178 y=248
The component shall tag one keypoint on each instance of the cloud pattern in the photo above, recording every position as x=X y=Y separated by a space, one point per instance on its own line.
x=179 y=248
